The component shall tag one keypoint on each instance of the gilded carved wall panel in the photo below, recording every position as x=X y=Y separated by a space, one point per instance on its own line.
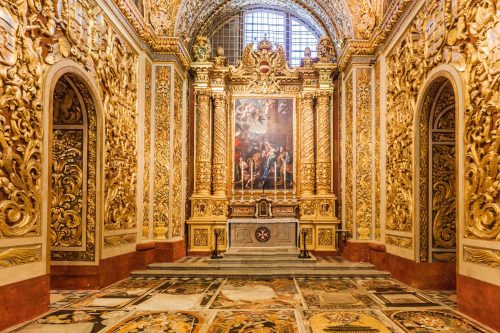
x=39 y=35
x=377 y=152
x=15 y=256
x=177 y=161
x=146 y=199
x=463 y=34
x=67 y=217
x=350 y=168
x=482 y=256
x=162 y=162
x=74 y=167
x=364 y=143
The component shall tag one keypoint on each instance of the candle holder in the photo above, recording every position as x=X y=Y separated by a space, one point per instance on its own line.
x=216 y=253
x=304 y=254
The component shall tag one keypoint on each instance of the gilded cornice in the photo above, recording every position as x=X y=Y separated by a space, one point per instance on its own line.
x=158 y=44
x=380 y=34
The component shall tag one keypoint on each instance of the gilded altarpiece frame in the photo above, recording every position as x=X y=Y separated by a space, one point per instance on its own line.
x=262 y=74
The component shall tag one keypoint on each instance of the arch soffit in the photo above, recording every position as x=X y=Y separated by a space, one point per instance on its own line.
x=334 y=15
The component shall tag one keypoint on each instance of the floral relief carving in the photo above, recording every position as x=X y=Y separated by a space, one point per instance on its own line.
x=177 y=161
x=464 y=35
x=349 y=151
x=162 y=162
x=67 y=188
x=147 y=150
x=55 y=35
x=363 y=155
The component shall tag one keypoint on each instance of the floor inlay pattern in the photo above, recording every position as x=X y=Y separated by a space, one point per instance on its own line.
x=253 y=305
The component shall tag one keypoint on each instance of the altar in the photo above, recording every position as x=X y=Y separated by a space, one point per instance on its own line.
x=263 y=233
x=263 y=153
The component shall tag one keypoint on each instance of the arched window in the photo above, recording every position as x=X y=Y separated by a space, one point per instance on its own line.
x=252 y=25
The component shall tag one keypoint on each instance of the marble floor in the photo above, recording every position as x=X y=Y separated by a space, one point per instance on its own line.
x=254 y=305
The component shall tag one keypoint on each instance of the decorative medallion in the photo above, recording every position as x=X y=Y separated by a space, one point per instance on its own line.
x=263 y=234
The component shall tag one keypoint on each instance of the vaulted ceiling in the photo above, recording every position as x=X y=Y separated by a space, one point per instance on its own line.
x=186 y=18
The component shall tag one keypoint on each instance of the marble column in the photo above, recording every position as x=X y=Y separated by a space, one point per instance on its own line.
x=323 y=144
x=219 y=176
x=203 y=143
x=307 y=143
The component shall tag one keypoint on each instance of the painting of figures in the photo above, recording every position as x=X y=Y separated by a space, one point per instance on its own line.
x=263 y=143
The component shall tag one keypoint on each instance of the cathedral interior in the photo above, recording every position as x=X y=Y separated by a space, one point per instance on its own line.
x=266 y=166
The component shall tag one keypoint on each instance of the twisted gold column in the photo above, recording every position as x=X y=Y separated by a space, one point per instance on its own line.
x=219 y=176
x=203 y=140
x=307 y=141
x=324 y=158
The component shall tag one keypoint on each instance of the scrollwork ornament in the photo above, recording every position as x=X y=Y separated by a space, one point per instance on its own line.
x=201 y=49
x=326 y=50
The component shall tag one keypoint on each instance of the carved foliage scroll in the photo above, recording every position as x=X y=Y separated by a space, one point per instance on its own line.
x=68 y=167
x=74 y=161
x=39 y=34
x=147 y=150
x=177 y=161
x=162 y=162
x=20 y=125
x=464 y=35
x=363 y=151
x=349 y=169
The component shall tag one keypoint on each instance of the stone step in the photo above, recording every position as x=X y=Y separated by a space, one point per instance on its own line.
x=250 y=266
x=264 y=252
x=262 y=259
x=260 y=273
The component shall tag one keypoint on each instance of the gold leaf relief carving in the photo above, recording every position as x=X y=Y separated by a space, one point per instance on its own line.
x=363 y=151
x=481 y=256
x=20 y=126
x=307 y=171
x=349 y=193
x=90 y=40
x=162 y=162
x=323 y=163
x=443 y=197
x=89 y=227
x=119 y=240
x=67 y=188
x=177 y=162
x=219 y=175
x=66 y=107
x=325 y=237
x=466 y=37
x=203 y=139
x=20 y=255
x=147 y=149
x=200 y=237
x=377 y=151
x=405 y=242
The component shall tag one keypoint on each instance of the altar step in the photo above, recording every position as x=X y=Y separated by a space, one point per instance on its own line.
x=262 y=264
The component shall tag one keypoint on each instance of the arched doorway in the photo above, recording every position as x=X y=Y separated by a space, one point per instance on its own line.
x=73 y=173
x=437 y=209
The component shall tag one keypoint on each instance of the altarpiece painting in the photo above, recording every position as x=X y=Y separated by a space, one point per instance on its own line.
x=263 y=143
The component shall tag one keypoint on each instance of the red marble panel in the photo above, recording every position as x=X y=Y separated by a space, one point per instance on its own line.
x=479 y=300
x=24 y=300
